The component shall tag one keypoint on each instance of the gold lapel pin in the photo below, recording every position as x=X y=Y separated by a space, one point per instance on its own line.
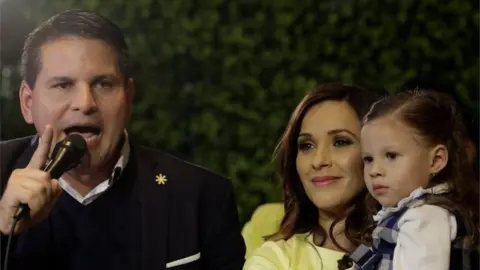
x=161 y=179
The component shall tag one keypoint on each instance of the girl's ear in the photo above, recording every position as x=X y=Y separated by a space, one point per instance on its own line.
x=438 y=158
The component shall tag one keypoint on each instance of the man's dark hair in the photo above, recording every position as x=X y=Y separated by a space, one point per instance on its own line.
x=72 y=23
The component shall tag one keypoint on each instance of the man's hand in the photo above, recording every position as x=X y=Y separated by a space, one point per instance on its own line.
x=30 y=186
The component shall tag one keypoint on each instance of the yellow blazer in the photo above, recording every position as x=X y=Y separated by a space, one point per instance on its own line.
x=264 y=221
x=297 y=253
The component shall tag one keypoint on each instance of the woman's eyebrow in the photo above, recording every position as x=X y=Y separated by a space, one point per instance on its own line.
x=340 y=130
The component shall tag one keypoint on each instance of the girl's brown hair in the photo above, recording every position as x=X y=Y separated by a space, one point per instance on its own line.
x=437 y=119
x=301 y=215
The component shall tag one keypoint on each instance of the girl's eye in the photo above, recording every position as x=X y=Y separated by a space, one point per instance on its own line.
x=367 y=159
x=391 y=155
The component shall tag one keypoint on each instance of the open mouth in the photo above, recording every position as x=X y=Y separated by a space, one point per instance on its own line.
x=87 y=132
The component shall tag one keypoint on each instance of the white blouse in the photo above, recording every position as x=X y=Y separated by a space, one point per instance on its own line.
x=425 y=233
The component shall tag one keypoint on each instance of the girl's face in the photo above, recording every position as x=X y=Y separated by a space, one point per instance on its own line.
x=396 y=161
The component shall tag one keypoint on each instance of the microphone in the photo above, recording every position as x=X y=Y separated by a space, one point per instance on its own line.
x=66 y=156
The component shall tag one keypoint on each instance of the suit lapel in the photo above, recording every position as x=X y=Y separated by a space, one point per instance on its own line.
x=13 y=155
x=154 y=211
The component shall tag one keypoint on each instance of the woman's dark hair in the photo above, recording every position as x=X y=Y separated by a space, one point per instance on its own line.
x=301 y=215
x=436 y=119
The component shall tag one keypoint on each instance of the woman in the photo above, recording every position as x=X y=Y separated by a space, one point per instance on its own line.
x=320 y=165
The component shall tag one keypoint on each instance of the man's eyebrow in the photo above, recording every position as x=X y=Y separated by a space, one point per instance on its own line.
x=102 y=77
x=59 y=79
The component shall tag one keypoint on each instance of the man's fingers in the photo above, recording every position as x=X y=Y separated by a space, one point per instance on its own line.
x=56 y=191
x=34 y=201
x=38 y=188
x=56 y=137
x=43 y=149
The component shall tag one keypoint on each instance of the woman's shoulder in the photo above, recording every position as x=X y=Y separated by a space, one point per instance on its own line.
x=298 y=252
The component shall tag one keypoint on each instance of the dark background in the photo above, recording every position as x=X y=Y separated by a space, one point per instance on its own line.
x=216 y=80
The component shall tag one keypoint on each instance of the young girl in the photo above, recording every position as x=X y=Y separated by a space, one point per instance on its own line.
x=416 y=166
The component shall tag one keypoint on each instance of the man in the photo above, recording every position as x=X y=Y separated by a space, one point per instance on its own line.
x=125 y=206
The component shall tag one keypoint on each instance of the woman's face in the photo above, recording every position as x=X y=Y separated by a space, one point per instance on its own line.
x=329 y=160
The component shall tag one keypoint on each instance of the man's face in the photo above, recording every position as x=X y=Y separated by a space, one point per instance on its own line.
x=80 y=89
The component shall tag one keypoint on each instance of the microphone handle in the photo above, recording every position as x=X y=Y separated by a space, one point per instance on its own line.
x=23 y=208
x=22 y=211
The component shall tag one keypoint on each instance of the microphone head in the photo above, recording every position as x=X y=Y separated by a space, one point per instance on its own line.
x=76 y=143
x=73 y=143
x=67 y=154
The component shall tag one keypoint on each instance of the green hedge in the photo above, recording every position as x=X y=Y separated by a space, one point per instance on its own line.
x=218 y=79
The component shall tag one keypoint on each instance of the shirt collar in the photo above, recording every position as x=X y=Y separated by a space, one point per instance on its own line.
x=386 y=211
x=122 y=160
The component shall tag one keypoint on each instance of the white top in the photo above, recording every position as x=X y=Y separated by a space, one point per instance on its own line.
x=425 y=234
x=424 y=239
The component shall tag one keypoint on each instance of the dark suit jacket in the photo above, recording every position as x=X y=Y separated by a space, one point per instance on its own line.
x=194 y=212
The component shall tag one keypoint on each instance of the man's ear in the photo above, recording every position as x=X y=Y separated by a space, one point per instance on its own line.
x=438 y=158
x=25 y=95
